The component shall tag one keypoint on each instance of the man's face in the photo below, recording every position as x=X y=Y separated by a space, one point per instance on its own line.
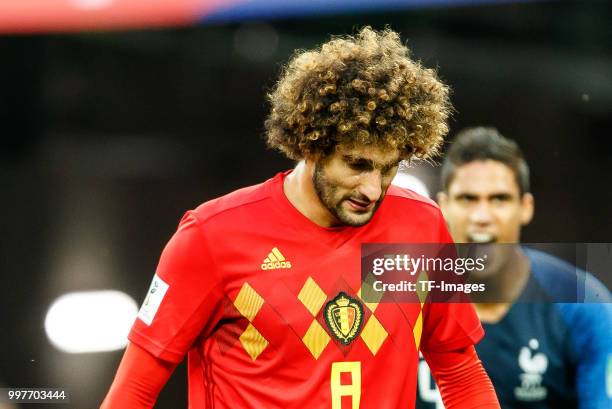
x=351 y=182
x=484 y=205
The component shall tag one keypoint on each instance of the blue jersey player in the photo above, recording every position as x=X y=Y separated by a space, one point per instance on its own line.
x=541 y=350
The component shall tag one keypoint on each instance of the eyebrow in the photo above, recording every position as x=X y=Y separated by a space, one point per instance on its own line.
x=352 y=158
x=499 y=195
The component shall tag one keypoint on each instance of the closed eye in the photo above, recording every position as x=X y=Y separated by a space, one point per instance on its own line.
x=466 y=198
x=500 y=197
x=366 y=165
x=360 y=165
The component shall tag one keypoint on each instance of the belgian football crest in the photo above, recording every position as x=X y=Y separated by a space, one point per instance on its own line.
x=344 y=317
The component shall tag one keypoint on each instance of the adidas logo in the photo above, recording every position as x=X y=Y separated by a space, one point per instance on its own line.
x=275 y=260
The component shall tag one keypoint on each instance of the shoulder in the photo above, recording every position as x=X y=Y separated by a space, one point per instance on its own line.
x=582 y=300
x=231 y=202
x=546 y=263
x=564 y=281
x=235 y=207
x=401 y=198
x=409 y=217
x=551 y=272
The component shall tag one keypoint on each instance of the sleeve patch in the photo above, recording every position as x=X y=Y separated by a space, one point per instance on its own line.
x=153 y=300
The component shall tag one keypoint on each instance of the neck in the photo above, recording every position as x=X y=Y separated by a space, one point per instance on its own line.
x=503 y=288
x=301 y=193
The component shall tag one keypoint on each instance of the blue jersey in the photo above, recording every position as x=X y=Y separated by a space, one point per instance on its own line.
x=545 y=354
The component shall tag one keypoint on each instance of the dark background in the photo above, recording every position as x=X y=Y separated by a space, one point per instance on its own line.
x=107 y=138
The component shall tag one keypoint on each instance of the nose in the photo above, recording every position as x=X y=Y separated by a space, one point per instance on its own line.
x=481 y=214
x=371 y=185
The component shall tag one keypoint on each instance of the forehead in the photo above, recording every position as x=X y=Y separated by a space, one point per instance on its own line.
x=379 y=155
x=483 y=177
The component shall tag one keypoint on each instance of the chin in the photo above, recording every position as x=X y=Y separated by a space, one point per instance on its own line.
x=482 y=275
x=355 y=220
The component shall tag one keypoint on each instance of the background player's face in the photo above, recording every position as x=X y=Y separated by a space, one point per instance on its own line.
x=484 y=205
x=351 y=182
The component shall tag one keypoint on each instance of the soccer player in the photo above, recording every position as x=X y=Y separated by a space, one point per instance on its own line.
x=261 y=288
x=539 y=353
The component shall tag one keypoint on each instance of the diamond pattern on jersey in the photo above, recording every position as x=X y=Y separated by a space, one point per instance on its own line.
x=253 y=342
x=422 y=292
x=248 y=303
x=417 y=330
x=316 y=338
x=312 y=296
x=367 y=294
x=373 y=334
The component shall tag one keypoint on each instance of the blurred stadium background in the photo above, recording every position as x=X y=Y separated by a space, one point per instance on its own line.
x=117 y=116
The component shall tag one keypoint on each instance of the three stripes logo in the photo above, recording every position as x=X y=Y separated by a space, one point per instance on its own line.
x=275 y=260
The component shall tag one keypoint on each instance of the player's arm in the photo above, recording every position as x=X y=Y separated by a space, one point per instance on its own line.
x=138 y=381
x=462 y=380
x=183 y=304
x=450 y=331
x=591 y=332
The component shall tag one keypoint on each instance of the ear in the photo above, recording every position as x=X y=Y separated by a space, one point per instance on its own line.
x=308 y=162
x=312 y=158
x=527 y=208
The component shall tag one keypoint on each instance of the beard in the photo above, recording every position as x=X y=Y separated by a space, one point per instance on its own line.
x=328 y=195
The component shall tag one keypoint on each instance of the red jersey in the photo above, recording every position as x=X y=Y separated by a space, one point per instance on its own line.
x=268 y=306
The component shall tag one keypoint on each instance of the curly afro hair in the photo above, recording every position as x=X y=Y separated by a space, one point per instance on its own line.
x=358 y=90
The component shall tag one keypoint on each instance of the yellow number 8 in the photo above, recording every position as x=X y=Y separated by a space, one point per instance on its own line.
x=338 y=390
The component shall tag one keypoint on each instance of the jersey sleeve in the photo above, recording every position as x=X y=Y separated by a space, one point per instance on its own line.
x=590 y=338
x=449 y=326
x=462 y=380
x=185 y=297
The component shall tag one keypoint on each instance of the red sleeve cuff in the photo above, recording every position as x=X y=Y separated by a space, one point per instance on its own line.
x=462 y=380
